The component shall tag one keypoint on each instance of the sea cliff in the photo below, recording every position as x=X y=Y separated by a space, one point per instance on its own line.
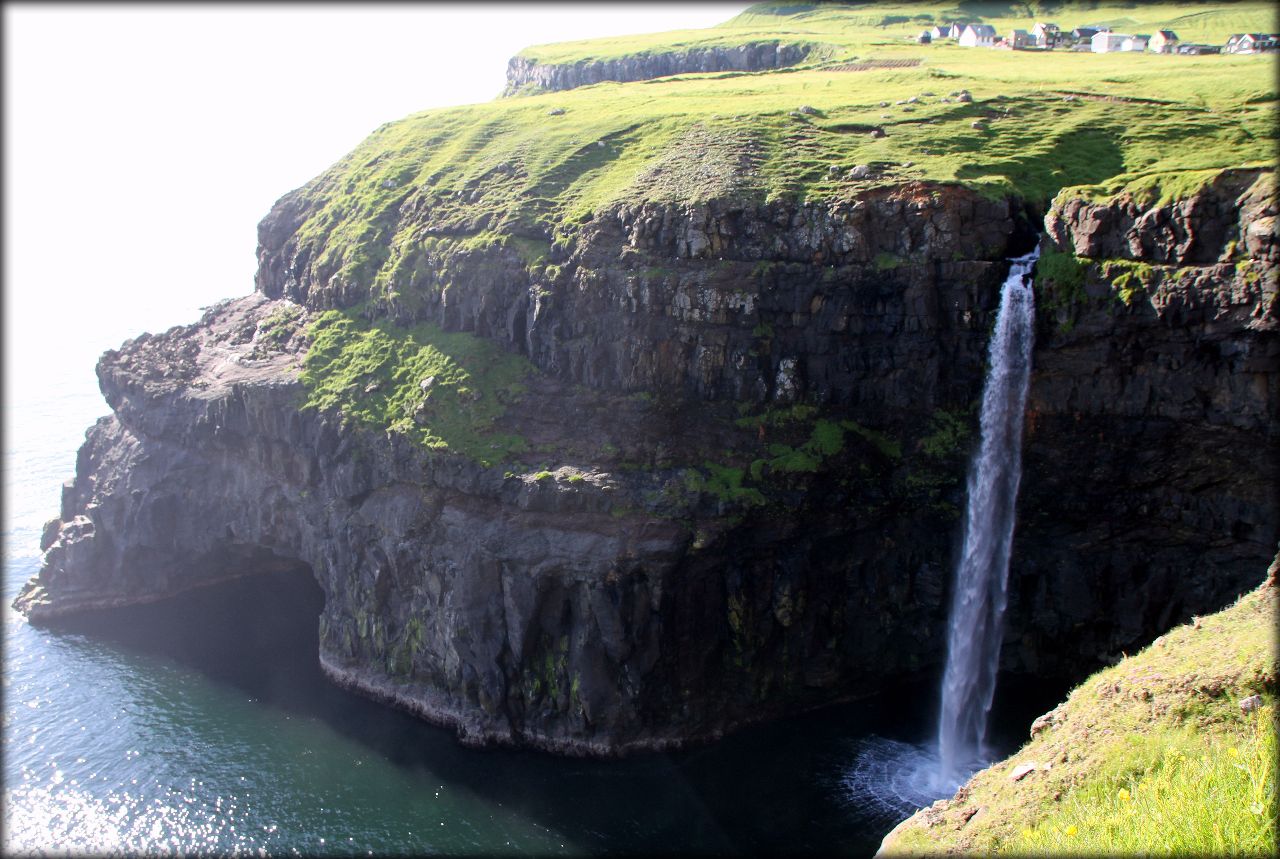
x=602 y=435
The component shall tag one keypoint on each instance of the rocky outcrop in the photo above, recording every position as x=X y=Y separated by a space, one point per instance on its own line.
x=569 y=615
x=753 y=302
x=635 y=584
x=1232 y=217
x=1151 y=464
x=526 y=73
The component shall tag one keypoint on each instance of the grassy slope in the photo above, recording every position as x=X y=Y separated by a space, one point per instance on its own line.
x=857 y=26
x=509 y=167
x=421 y=190
x=1151 y=755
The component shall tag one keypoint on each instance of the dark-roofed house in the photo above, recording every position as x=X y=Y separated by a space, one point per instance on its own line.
x=1194 y=49
x=1135 y=43
x=939 y=32
x=1163 y=42
x=1020 y=39
x=1083 y=35
x=956 y=31
x=1046 y=35
x=1241 y=43
x=978 y=36
x=1250 y=43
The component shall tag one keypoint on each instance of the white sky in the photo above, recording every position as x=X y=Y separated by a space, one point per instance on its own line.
x=143 y=143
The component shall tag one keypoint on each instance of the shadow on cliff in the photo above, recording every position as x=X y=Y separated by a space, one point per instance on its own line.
x=769 y=788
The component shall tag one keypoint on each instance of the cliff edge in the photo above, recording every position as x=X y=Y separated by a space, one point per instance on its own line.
x=609 y=424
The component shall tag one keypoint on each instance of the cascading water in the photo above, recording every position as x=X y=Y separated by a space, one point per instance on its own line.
x=981 y=587
x=899 y=777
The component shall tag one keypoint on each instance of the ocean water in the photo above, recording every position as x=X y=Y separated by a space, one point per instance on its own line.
x=205 y=725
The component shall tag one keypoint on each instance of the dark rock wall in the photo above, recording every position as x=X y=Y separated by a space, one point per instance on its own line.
x=523 y=73
x=580 y=618
x=1152 y=457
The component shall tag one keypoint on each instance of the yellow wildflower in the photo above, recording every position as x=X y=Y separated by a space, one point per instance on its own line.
x=1071 y=831
x=1124 y=794
x=1234 y=752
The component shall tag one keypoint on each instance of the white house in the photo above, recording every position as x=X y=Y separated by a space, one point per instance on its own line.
x=956 y=31
x=1251 y=43
x=1046 y=34
x=1135 y=43
x=978 y=36
x=939 y=32
x=1163 y=42
x=1106 y=43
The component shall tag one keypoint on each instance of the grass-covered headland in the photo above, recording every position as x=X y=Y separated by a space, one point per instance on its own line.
x=400 y=218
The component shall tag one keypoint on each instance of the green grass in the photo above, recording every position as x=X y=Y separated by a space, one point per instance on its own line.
x=848 y=29
x=1183 y=794
x=374 y=375
x=420 y=191
x=1160 y=726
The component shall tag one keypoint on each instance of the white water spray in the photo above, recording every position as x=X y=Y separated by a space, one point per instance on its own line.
x=894 y=778
x=981 y=589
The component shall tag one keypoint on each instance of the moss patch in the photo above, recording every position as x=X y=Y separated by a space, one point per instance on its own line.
x=445 y=390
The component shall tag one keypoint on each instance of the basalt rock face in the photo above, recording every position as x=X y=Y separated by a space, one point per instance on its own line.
x=620 y=602
x=752 y=302
x=524 y=73
x=1152 y=457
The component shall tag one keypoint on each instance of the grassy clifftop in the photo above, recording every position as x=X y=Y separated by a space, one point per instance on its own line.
x=533 y=168
x=850 y=27
x=1153 y=755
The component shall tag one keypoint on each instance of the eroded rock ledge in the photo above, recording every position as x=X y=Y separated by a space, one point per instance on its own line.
x=524 y=73
x=611 y=602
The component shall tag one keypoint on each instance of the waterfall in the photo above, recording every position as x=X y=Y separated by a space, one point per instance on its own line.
x=981 y=588
x=894 y=778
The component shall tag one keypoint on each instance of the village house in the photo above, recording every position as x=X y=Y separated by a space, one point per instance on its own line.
x=1189 y=48
x=1046 y=35
x=1107 y=43
x=1163 y=42
x=956 y=31
x=1083 y=35
x=1021 y=39
x=939 y=32
x=978 y=36
x=1135 y=43
x=1251 y=43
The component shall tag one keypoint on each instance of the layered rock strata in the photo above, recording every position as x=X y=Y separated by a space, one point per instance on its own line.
x=625 y=600
x=524 y=73
x=1151 y=484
